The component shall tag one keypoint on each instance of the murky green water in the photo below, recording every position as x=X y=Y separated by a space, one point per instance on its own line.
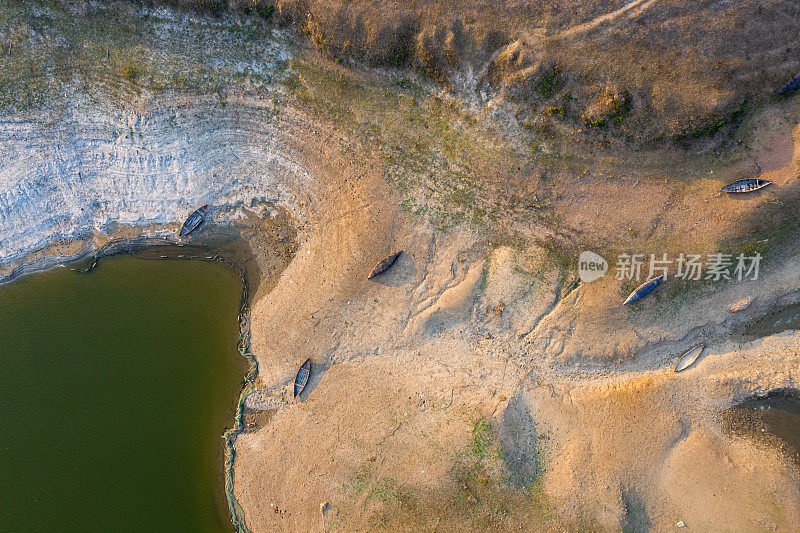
x=785 y=319
x=115 y=387
x=773 y=419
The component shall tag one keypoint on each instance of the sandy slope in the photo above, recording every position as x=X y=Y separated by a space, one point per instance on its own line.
x=405 y=365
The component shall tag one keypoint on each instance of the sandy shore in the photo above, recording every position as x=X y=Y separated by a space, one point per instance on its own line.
x=586 y=412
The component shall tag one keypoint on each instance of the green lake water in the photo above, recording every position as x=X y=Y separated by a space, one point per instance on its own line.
x=115 y=389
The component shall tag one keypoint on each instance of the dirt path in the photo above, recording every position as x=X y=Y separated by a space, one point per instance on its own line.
x=639 y=5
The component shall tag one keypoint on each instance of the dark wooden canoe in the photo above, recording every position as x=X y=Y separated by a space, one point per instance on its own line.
x=384 y=264
x=689 y=357
x=301 y=380
x=193 y=220
x=745 y=185
x=643 y=290
x=791 y=85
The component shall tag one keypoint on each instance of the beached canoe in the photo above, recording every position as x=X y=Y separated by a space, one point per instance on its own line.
x=643 y=290
x=384 y=264
x=301 y=380
x=745 y=185
x=193 y=220
x=791 y=85
x=688 y=358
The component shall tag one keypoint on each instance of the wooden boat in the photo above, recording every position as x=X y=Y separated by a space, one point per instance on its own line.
x=791 y=85
x=301 y=380
x=689 y=357
x=384 y=264
x=643 y=290
x=193 y=220
x=746 y=185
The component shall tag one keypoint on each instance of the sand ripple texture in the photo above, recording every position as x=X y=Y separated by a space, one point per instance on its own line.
x=263 y=400
x=86 y=169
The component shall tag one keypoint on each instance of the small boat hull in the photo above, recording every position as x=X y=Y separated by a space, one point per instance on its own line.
x=193 y=221
x=791 y=85
x=301 y=380
x=384 y=264
x=643 y=290
x=745 y=185
x=689 y=357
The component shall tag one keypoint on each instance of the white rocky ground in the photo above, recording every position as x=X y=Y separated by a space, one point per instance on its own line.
x=154 y=166
x=151 y=166
x=98 y=155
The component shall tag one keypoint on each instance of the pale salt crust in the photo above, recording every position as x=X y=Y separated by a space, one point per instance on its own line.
x=86 y=171
x=84 y=163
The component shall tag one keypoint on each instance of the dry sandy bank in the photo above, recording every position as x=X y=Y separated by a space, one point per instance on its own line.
x=583 y=407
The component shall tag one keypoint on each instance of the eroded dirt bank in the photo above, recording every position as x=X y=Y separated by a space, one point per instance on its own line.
x=478 y=383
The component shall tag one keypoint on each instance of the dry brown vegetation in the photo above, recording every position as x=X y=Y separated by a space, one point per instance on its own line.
x=648 y=69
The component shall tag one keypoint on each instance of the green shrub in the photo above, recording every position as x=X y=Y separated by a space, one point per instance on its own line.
x=264 y=8
x=549 y=82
